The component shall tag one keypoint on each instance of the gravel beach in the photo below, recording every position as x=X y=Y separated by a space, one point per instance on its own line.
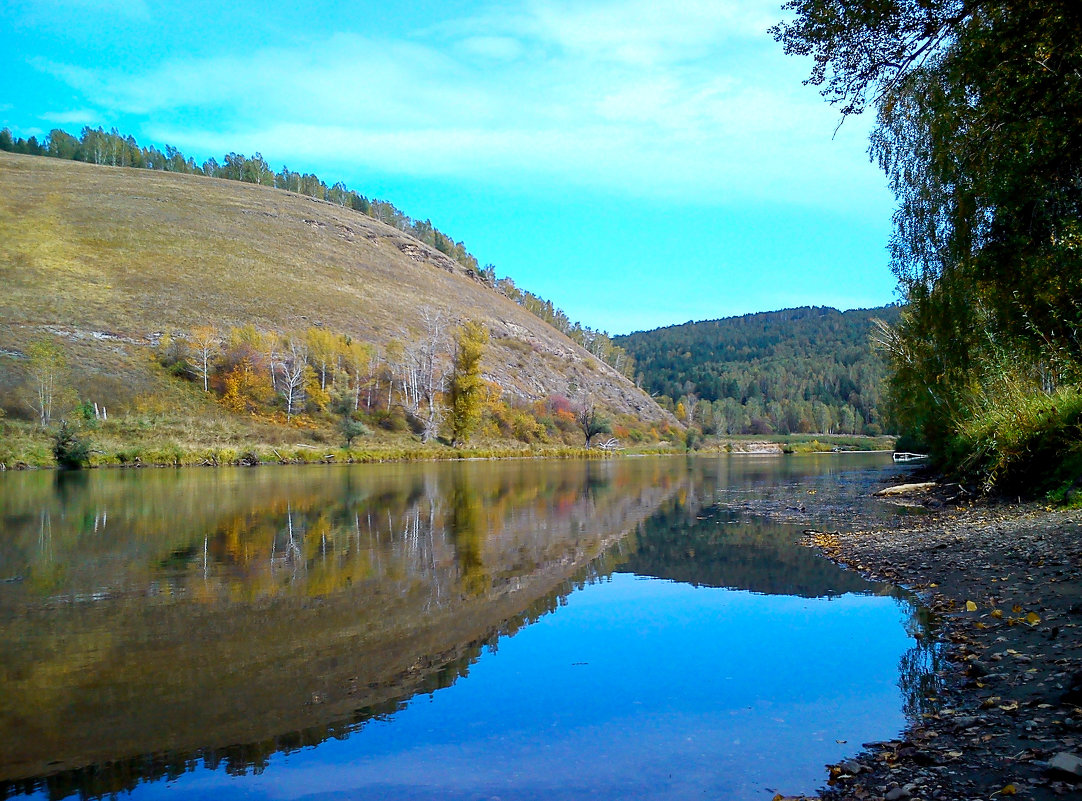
x=1000 y=713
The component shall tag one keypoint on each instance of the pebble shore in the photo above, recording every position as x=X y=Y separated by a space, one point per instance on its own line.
x=1001 y=715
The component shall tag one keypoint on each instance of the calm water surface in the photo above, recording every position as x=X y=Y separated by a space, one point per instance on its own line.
x=511 y=630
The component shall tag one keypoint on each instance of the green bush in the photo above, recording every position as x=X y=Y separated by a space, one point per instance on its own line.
x=69 y=449
x=351 y=429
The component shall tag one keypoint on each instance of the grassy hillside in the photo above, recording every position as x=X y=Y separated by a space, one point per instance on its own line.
x=109 y=260
x=798 y=370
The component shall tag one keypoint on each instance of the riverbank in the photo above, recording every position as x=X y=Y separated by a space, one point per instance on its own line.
x=1001 y=708
x=182 y=441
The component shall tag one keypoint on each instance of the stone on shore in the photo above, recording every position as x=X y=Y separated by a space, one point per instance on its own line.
x=906 y=489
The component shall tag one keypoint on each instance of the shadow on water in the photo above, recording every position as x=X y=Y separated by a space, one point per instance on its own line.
x=217 y=618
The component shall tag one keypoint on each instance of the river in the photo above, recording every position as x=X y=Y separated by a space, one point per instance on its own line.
x=477 y=630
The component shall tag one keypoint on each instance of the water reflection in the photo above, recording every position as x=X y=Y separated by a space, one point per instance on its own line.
x=213 y=619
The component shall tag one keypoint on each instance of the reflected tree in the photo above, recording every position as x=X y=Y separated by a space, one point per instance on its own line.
x=466 y=526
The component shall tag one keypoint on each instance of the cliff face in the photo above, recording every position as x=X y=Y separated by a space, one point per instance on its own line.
x=111 y=259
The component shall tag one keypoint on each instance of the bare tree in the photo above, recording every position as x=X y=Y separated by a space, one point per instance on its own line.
x=393 y=354
x=205 y=342
x=592 y=420
x=430 y=373
x=289 y=364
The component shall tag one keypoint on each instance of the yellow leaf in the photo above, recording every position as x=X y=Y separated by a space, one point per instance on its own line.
x=1008 y=790
x=1033 y=618
x=997 y=613
x=1016 y=609
x=970 y=606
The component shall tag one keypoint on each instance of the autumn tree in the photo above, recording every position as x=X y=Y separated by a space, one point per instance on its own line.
x=323 y=351
x=47 y=365
x=357 y=358
x=290 y=366
x=204 y=342
x=466 y=393
x=245 y=374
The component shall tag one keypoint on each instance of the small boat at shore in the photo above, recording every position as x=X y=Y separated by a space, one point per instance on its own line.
x=906 y=456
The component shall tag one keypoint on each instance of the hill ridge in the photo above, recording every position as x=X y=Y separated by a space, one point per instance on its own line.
x=807 y=369
x=116 y=257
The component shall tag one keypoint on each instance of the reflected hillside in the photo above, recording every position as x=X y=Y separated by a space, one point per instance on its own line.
x=698 y=537
x=177 y=613
x=715 y=547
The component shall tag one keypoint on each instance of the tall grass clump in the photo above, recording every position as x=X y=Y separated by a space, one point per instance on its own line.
x=997 y=410
x=1017 y=435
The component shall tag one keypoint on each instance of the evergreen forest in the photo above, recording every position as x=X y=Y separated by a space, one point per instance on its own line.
x=805 y=370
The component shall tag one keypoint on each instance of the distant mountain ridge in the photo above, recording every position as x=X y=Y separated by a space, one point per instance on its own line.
x=804 y=370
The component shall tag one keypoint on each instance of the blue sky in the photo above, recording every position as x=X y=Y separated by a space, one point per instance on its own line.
x=638 y=163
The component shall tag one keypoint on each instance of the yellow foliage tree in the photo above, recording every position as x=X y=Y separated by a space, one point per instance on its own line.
x=246 y=389
x=466 y=395
x=317 y=396
x=323 y=354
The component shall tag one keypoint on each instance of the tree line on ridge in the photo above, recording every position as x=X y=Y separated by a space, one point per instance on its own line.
x=111 y=148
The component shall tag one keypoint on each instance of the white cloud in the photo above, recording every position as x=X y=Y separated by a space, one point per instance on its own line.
x=642 y=32
x=687 y=99
x=493 y=48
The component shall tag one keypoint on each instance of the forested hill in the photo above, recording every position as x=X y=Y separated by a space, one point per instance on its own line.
x=810 y=369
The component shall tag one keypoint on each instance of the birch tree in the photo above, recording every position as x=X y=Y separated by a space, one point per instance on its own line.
x=429 y=375
x=290 y=367
x=357 y=360
x=322 y=353
x=205 y=342
x=47 y=366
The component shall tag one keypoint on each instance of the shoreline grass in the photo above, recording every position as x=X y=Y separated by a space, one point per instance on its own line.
x=180 y=442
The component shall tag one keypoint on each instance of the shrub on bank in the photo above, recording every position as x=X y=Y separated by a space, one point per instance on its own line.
x=70 y=450
x=1023 y=438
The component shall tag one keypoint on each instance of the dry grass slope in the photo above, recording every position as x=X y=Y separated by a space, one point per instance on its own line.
x=109 y=259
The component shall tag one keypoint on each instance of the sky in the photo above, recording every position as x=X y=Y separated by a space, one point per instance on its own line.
x=638 y=163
